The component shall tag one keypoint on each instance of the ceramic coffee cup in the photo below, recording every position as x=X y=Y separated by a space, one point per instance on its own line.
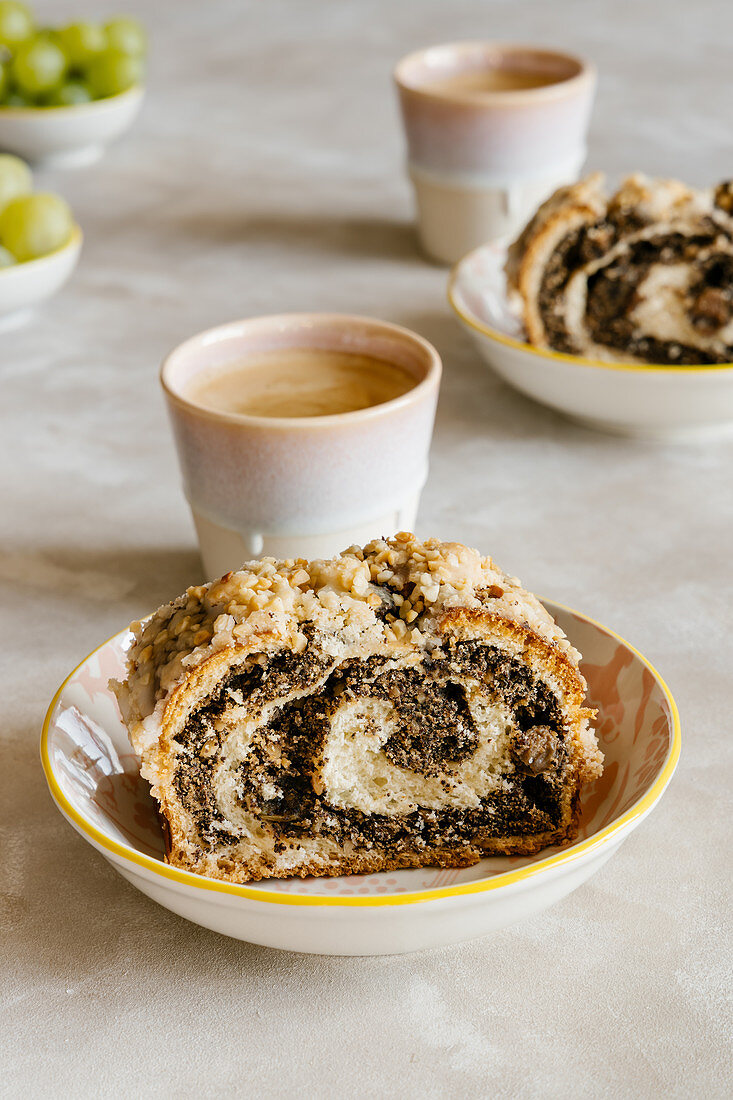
x=483 y=156
x=308 y=486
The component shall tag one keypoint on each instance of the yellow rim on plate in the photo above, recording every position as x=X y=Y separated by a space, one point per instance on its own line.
x=200 y=882
x=559 y=357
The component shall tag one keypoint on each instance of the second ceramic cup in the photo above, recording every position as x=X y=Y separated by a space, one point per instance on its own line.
x=492 y=129
x=300 y=486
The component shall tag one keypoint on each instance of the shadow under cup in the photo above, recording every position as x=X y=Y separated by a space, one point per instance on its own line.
x=301 y=487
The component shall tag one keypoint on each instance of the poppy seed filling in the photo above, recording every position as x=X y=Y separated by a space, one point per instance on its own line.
x=615 y=288
x=435 y=719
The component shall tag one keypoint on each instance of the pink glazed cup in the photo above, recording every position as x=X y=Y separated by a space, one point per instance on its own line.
x=481 y=162
x=301 y=487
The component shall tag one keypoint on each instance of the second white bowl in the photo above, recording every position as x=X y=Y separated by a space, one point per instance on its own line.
x=631 y=398
x=68 y=137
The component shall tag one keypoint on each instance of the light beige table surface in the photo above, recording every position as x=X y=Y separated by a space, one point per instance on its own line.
x=265 y=174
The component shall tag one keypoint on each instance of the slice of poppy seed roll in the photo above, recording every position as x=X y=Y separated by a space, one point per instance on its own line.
x=402 y=705
x=642 y=276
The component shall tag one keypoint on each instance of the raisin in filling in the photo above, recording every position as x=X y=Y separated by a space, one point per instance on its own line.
x=434 y=731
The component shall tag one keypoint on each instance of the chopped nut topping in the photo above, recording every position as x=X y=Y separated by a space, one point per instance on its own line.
x=265 y=604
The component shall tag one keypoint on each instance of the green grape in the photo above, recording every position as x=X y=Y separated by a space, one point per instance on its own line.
x=38 y=66
x=15 y=178
x=80 y=42
x=7 y=259
x=126 y=35
x=113 y=72
x=70 y=94
x=16 y=23
x=15 y=99
x=48 y=34
x=34 y=225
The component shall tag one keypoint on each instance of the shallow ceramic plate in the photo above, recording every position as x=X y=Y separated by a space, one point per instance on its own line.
x=94 y=780
x=635 y=399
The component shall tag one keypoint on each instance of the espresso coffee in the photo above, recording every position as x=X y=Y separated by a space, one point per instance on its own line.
x=477 y=82
x=299 y=382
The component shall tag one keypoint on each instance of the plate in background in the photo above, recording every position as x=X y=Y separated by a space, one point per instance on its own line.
x=630 y=398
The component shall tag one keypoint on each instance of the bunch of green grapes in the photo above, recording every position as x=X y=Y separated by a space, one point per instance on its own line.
x=65 y=66
x=31 y=224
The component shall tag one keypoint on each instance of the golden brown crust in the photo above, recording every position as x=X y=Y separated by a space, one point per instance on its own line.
x=538 y=249
x=375 y=862
x=584 y=195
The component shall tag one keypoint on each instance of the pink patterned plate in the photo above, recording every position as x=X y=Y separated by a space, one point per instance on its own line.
x=94 y=780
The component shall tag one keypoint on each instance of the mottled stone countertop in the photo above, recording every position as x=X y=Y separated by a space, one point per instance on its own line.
x=265 y=174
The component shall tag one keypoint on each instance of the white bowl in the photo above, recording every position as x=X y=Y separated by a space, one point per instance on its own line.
x=23 y=286
x=67 y=137
x=634 y=399
x=94 y=780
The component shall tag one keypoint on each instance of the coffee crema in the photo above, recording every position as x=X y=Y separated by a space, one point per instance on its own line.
x=299 y=382
x=477 y=82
